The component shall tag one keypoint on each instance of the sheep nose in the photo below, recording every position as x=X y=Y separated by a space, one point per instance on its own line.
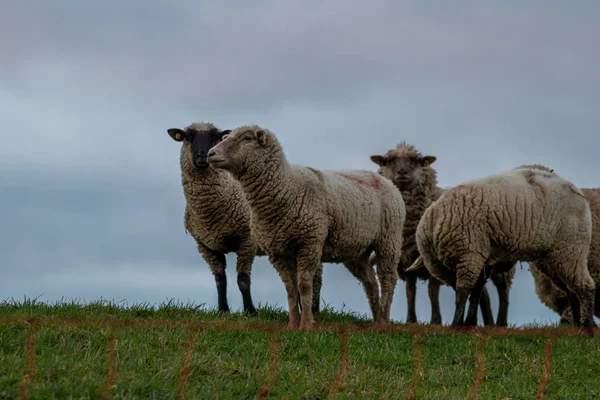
x=202 y=153
x=211 y=153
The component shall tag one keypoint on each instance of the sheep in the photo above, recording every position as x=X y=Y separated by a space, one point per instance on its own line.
x=556 y=298
x=487 y=225
x=303 y=216
x=416 y=179
x=217 y=215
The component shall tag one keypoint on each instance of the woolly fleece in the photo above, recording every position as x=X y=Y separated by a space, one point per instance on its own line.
x=552 y=296
x=302 y=216
x=527 y=214
x=413 y=175
x=217 y=216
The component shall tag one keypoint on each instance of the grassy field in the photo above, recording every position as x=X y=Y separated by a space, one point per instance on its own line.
x=81 y=361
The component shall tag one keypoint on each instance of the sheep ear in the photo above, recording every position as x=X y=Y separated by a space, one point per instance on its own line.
x=379 y=160
x=261 y=137
x=225 y=132
x=427 y=160
x=177 y=134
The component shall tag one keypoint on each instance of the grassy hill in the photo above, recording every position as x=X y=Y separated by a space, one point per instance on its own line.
x=156 y=355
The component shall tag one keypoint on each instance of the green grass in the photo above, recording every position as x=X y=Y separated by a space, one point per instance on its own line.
x=70 y=361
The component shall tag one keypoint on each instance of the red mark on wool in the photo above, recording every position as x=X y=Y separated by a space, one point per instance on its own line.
x=374 y=184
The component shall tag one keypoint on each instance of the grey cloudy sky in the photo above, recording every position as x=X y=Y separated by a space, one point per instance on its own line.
x=90 y=198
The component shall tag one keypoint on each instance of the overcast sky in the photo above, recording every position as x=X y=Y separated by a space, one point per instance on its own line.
x=90 y=199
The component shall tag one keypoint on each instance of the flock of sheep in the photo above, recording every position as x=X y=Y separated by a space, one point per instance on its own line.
x=243 y=196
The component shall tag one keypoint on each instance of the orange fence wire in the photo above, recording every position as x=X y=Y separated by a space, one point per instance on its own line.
x=273 y=339
x=111 y=363
x=344 y=366
x=186 y=361
x=480 y=371
x=547 y=368
x=34 y=330
x=345 y=331
x=419 y=367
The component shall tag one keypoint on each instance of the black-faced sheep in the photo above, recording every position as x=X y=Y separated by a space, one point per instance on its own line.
x=302 y=216
x=487 y=225
x=553 y=296
x=217 y=214
x=416 y=179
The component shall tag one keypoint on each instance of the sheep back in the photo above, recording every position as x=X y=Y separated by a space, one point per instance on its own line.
x=516 y=215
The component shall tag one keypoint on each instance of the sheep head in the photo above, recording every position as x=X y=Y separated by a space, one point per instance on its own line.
x=197 y=139
x=403 y=165
x=240 y=148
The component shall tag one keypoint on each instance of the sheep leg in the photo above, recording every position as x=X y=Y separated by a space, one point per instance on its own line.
x=287 y=272
x=468 y=272
x=474 y=300
x=217 y=263
x=433 y=288
x=486 y=308
x=245 y=257
x=411 y=292
x=308 y=262
x=317 y=283
x=366 y=275
x=502 y=282
x=575 y=307
x=387 y=271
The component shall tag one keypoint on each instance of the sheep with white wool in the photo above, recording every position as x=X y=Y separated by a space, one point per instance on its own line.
x=413 y=175
x=487 y=225
x=553 y=296
x=217 y=214
x=302 y=216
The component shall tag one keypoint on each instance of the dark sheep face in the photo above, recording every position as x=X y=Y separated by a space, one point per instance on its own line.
x=197 y=143
x=404 y=170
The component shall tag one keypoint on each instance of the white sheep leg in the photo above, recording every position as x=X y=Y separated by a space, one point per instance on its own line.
x=387 y=272
x=308 y=262
x=287 y=272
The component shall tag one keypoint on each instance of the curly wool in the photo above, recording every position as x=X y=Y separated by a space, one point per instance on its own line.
x=206 y=192
x=526 y=214
x=301 y=216
x=419 y=194
x=217 y=216
x=416 y=198
x=552 y=296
